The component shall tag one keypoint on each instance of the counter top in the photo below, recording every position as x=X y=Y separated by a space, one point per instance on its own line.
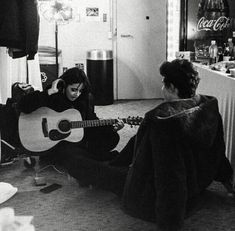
x=206 y=67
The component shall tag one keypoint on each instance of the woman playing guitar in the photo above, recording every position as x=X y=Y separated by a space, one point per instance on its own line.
x=73 y=90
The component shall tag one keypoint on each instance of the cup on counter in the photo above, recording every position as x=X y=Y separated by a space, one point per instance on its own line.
x=226 y=58
x=232 y=72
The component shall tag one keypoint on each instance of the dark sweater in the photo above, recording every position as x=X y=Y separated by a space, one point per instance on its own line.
x=96 y=139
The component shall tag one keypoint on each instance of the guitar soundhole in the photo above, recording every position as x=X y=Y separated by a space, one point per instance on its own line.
x=64 y=126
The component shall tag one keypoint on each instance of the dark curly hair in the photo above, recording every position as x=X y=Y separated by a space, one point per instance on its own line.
x=76 y=75
x=182 y=75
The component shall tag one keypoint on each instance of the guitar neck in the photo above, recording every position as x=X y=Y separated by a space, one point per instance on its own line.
x=93 y=123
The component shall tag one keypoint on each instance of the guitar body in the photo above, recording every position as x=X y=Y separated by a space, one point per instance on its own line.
x=44 y=128
x=41 y=129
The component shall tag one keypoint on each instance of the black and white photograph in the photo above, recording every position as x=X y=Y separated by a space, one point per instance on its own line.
x=117 y=115
x=92 y=11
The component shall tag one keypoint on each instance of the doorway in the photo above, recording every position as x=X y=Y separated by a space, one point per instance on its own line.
x=139 y=45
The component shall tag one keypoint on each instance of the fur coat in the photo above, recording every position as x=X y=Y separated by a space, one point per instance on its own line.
x=179 y=151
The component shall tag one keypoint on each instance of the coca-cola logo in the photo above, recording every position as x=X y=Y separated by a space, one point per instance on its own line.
x=218 y=24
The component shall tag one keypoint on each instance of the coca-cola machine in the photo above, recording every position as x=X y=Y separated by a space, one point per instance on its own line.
x=203 y=21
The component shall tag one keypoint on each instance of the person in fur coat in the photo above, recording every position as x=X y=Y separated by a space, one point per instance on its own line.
x=177 y=152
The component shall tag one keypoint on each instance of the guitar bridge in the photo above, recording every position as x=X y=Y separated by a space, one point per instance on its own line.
x=55 y=135
x=45 y=127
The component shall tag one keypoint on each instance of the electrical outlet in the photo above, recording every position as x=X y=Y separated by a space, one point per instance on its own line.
x=104 y=17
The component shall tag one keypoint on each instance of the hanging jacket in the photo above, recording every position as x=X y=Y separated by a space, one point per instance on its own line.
x=19 y=27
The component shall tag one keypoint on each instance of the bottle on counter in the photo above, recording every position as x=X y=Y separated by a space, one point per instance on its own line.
x=233 y=40
x=213 y=52
x=228 y=50
x=220 y=53
x=230 y=46
x=226 y=55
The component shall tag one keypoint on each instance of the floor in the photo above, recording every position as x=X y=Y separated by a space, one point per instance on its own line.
x=90 y=209
x=72 y=207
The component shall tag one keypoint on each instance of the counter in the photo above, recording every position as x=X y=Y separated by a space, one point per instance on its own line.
x=221 y=86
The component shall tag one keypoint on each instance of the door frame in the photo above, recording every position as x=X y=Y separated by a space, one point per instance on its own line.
x=113 y=28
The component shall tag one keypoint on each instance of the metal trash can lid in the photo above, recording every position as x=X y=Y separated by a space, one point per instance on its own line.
x=99 y=55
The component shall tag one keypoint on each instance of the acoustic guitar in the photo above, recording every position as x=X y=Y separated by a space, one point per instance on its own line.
x=44 y=128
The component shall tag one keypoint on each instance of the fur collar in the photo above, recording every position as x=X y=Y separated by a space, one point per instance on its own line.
x=196 y=118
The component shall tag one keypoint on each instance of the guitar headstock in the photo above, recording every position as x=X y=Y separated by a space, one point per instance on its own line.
x=133 y=120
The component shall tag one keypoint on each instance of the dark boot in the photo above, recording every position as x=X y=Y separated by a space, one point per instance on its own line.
x=124 y=159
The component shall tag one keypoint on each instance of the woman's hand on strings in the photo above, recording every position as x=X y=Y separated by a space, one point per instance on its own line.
x=118 y=125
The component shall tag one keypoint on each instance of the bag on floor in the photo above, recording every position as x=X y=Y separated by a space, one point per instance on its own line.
x=9 y=122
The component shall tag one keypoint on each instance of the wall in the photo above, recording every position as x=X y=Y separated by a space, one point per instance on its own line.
x=141 y=48
x=80 y=35
x=83 y=34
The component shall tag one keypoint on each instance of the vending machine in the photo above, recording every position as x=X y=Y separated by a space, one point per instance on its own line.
x=204 y=21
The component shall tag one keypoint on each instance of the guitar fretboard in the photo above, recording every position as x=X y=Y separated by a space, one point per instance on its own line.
x=93 y=123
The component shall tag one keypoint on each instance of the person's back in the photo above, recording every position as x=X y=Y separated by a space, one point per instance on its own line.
x=178 y=151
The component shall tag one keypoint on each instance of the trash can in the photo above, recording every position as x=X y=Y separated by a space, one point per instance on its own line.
x=48 y=74
x=100 y=73
x=48 y=68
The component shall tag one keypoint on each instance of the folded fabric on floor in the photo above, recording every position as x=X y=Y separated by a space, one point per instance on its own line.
x=10 y=222
x=6 y=191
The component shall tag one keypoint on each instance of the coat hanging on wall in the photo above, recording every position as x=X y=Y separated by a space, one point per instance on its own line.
x=19 y=27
